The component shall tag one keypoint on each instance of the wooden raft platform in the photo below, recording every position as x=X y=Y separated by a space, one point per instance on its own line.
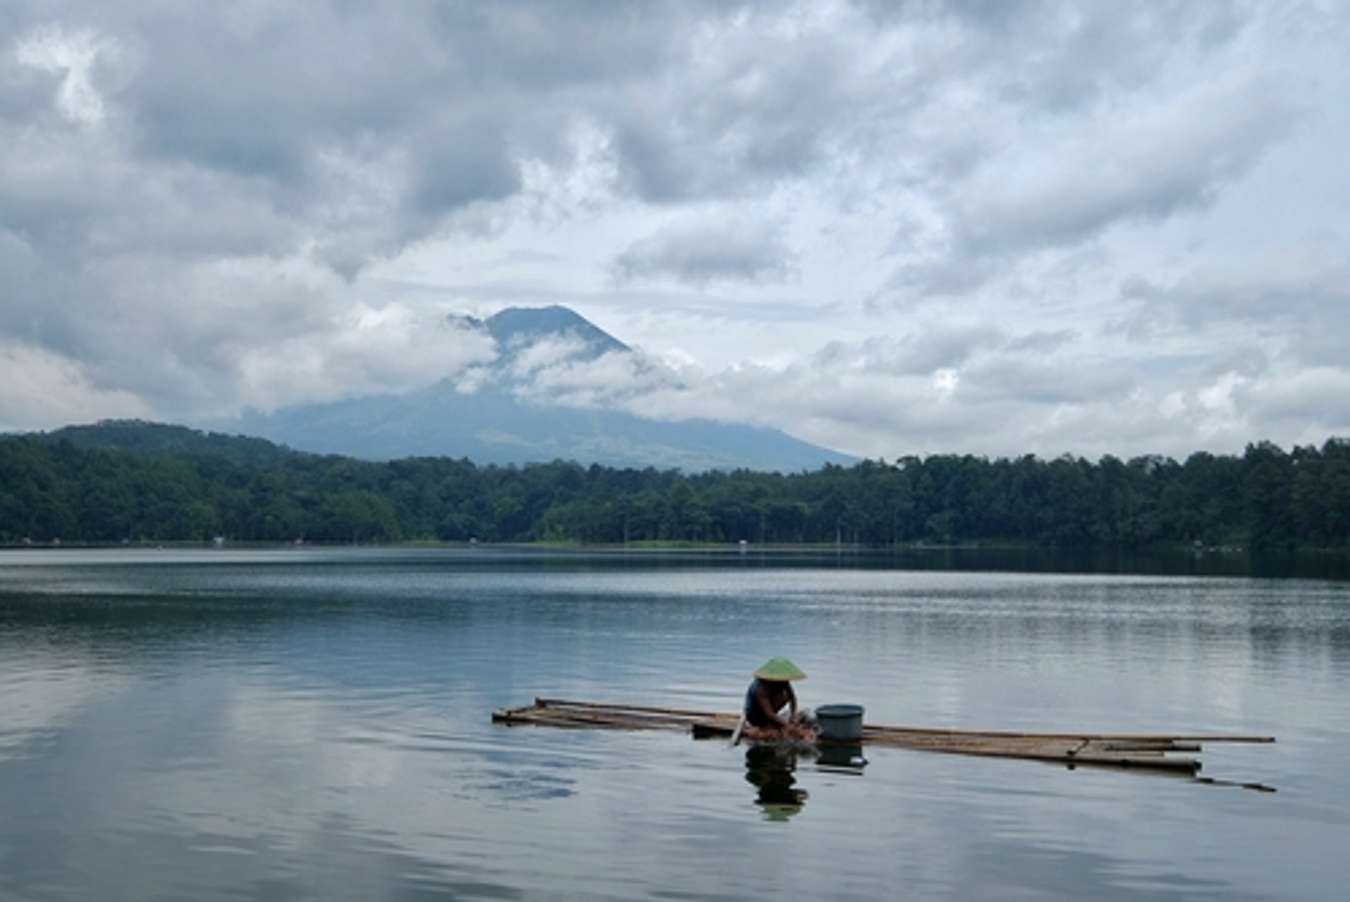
x=1097 y=749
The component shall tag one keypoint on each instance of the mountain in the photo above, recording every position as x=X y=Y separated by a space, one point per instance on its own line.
x=495 y=424
x=516 y=326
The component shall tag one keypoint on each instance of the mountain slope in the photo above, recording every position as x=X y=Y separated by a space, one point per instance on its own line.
x=495 y=425
x=522 y=325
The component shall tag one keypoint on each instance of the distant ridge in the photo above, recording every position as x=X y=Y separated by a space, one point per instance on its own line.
x=146 y=437
x=494 y=424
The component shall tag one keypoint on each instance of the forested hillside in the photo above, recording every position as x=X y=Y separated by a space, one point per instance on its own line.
x=142 y=482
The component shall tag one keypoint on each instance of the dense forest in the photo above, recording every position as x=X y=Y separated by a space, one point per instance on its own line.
x=132 y=481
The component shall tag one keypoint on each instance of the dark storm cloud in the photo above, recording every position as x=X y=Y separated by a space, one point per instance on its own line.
x=349 y=132
x=1145 y=170
x=1050 y=163
x=944 y=277
x=1203 y=300
x=433 y=105
x=921 y=352
x=700 y=253
x=1302 y=317
x=765 y=107
x=1039 y=381
x=1043 y=342
x=436 y=106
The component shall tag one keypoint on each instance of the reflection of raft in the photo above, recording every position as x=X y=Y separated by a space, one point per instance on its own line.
x=1110 y=750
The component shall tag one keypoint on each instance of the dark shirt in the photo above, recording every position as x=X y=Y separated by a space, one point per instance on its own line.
x=778 y=693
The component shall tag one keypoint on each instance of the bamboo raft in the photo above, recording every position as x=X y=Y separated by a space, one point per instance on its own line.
x=1095 y=749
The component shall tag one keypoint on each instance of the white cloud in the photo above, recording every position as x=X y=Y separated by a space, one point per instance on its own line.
x=72 y=56
x=546 y=354
x=366 y=351
x=1315 y=401
x=613 y=379
x=39 y=390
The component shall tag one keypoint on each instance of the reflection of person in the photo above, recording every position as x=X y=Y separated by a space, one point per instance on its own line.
x=768 y=693
x=770 y=770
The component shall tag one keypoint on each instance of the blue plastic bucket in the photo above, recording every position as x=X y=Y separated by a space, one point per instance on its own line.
x=840 y=723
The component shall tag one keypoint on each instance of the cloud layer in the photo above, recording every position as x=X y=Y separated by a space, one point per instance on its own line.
x=888 y=228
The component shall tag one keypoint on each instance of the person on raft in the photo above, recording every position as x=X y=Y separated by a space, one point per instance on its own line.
x=770 y=690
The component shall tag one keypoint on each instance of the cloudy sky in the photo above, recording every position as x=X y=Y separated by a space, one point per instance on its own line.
x=890 y=228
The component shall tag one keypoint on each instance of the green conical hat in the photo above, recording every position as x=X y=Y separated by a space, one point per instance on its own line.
x=780 y=670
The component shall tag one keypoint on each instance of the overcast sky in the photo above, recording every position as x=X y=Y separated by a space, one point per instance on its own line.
x=989 y=227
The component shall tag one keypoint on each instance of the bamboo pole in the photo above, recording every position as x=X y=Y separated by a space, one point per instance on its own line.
x=548 y=717
x=552 y=703
x=1095 y=737
x=1065 y=751
x=681 y=712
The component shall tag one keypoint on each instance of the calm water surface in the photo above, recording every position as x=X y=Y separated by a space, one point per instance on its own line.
x=315 y=724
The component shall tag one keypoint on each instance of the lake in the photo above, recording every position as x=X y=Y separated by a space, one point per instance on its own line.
x=310 y=723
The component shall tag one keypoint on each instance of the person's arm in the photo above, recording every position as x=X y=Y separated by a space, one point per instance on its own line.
x=792 y=701
x=766 y=705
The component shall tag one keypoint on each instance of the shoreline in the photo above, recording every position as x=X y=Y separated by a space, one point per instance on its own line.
x=724 y=549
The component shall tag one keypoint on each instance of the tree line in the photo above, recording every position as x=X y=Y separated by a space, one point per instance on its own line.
x=138 y=482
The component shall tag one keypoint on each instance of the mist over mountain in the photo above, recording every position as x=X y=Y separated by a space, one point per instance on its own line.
x=548 y=395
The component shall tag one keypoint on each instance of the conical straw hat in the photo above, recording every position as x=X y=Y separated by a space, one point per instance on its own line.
x=780 y=670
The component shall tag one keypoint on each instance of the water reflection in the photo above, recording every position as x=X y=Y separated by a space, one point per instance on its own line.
x=263 y=727
x=842 y=758
x=772 y=768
